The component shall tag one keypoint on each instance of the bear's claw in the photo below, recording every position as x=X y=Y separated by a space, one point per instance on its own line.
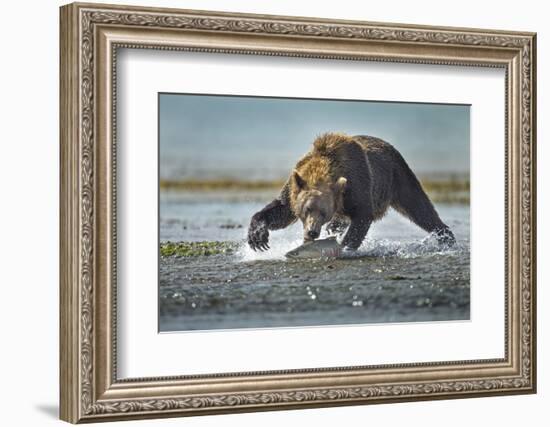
x=258 y=236
x=336 y=226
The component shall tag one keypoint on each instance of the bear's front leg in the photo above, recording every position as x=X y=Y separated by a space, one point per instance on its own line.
x=356 y=233
x=273 y=216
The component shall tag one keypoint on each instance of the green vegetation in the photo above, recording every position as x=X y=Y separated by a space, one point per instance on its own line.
x=446 y=186
x=219 y=184
x=450 y=190
x=193 y=249
x=461 y=199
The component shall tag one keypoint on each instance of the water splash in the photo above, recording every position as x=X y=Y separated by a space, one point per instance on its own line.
x=282 y=242
x=411 y=248
x=279 y=242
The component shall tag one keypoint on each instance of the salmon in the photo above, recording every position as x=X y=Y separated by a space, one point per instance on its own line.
x=323 y=248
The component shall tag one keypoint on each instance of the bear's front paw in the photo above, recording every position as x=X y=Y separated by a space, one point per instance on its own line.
x=258 y=236
x=336 y=226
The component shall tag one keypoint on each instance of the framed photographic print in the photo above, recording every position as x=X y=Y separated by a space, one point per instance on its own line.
x=266 y=212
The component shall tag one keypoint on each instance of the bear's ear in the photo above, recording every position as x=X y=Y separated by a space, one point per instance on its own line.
x=340 y=185
x=299 y=181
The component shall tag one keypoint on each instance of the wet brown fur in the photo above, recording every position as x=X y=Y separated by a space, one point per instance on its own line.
x=317 y=168
x=350 y=179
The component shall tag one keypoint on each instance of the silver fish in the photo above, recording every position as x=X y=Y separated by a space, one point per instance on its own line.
x=323 y=248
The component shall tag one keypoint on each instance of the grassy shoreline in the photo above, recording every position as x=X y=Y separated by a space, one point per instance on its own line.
x=450 y=190
x=219 y=184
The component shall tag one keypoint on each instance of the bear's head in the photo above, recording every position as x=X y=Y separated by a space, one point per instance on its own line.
x=315 y=205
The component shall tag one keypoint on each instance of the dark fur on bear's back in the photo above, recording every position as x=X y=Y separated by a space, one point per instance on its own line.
x=376 y=177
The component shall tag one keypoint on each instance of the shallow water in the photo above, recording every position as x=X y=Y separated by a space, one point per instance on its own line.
x=398 y=275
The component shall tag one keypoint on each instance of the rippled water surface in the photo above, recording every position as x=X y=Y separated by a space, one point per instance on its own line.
x=398 y=275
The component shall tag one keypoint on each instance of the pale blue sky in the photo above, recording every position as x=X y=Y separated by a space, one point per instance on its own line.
x=204 y=136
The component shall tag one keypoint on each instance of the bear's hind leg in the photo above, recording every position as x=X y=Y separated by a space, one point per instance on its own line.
x=411 y=200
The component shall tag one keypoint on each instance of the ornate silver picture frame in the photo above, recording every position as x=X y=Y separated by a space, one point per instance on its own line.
x=91 y=34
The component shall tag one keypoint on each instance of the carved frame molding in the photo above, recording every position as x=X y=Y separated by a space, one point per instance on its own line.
x=90 y=37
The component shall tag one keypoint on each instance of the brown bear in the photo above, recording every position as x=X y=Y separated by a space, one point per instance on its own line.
x=347 y=182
